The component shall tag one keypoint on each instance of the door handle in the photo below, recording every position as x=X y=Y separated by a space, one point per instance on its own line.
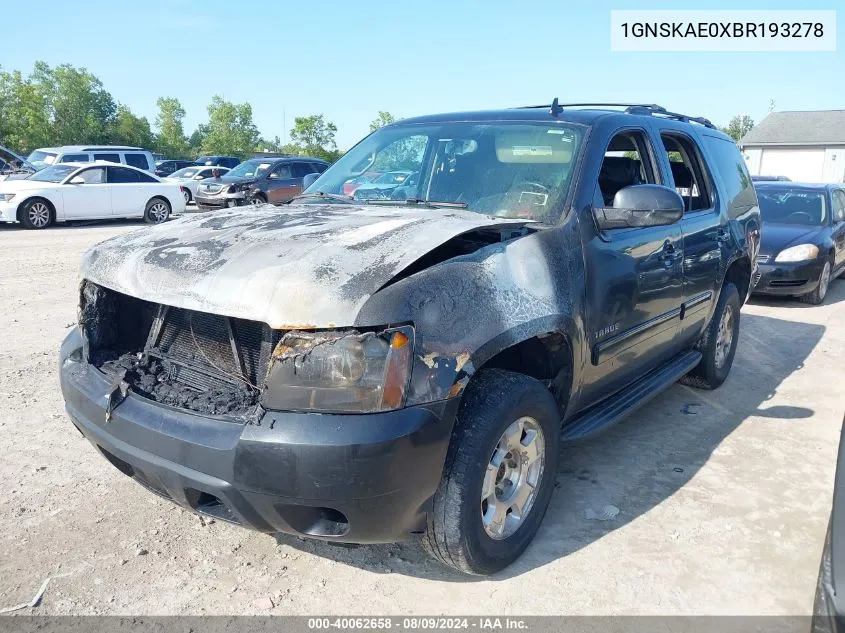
x=669 y=254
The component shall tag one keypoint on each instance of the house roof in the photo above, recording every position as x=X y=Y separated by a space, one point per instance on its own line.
x=811 y=127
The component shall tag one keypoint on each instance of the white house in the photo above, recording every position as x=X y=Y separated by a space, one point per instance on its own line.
x=803 y=146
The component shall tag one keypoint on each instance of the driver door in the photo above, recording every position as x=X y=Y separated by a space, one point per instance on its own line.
x=90 y=199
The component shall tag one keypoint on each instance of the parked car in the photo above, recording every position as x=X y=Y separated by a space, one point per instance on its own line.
x=364 y=371
x=257 y=181
x=352 y=184
x=132 y=156
x=12 y=164
x=189 y=178
x=158 y=157
x=220 y=161
x=92 y=191
x=803 y=245
x=166 y=167
x=386 y=186
x=769 y=179
x=829 y=604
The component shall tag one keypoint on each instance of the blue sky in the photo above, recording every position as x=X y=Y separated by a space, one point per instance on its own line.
x=348 y=60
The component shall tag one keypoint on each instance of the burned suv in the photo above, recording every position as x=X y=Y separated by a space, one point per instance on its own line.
x=367 y=370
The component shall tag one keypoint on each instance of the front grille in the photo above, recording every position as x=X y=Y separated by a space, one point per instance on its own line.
x=200 y=345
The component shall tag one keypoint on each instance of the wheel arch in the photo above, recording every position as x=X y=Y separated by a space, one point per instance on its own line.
x=50 y=204
x=739 y=274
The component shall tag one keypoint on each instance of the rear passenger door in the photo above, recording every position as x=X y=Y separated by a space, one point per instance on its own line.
x=129 y=196
x=705 y=230
x=634 y=277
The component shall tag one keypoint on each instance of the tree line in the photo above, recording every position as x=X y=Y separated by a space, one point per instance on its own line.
x=66 y=105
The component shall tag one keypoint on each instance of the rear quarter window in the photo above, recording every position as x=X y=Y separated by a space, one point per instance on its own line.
x=137 y=160
x=75 y=158
x=730 y=167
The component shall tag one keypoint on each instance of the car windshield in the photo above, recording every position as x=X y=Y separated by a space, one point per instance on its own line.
x=185 y=172
x=54 y=173
x=502 y=169
x=785 y=205
x=40 y=159
x=250 y=169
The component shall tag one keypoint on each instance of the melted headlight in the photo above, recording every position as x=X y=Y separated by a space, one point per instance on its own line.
x=341 y=372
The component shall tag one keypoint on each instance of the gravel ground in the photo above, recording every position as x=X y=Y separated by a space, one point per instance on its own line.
x=723 y=496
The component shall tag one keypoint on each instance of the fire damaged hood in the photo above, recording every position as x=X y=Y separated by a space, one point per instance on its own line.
x=297 y=266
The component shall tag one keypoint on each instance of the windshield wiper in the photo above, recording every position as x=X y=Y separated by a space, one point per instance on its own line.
x=322 y=196
x=431 y=204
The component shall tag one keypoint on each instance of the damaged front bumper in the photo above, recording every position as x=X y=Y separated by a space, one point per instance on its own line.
x=365 y=478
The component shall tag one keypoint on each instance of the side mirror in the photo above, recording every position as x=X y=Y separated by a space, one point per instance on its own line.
x=641 y=205
x=309 y=180
x=77 y=180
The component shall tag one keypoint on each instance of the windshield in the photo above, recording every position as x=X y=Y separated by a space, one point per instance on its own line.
x=502 y=169
x=250 y=169
x=783 y=205
x=56 y=173
x=41 y=159
x=185 y=172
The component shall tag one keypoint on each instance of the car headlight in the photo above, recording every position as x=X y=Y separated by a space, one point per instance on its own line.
x=340 y=372
x=799 y=253
x=6 y=197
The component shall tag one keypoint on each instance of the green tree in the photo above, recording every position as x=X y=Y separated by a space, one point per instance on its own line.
x=198 y=138
x=80 y=108
x=314 y=136
x=24 y=119
x=128 y=129
x=171 y=140
x=739 y=126
x=383 y=118
x=230 y=128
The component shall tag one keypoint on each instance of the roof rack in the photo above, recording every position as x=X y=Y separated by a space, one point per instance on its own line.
x=643 y=109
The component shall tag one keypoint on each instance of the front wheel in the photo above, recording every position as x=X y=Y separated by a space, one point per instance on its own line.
x=817 y=296
x=36 y=214
x=157 y=211
x=499 y=474
x=718 y=343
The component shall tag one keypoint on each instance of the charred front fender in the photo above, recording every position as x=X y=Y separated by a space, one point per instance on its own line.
x=467 y=309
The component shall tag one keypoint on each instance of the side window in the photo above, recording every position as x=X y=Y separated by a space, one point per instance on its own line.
x=122 y=175
x=94 y=176
x=733 y=173
x=839 y=205
x=75 y=158
x=112 y=158
x=281 y=172
x=137 y=160
x=300 y=170
x=145 y=177
x=687 y=171
x=627 y=161
x=318 y=168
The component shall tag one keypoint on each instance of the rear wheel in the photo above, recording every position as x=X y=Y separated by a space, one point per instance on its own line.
x=36 y=214
x=817 y=296
x=157 y=211
x=499 y=474
x=718 y=343
x=187 y=193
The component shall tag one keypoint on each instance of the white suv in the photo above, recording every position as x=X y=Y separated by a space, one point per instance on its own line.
x=132 y=156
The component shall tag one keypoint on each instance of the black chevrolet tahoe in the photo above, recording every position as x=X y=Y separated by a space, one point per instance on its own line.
x=367 y=370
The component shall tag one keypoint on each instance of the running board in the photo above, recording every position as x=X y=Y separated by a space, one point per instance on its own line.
x=622 y=404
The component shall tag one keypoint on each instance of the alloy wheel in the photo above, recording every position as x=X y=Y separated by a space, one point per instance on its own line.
x=724 y=337
x=158 y=212
x=512 y=478
x=38 y=215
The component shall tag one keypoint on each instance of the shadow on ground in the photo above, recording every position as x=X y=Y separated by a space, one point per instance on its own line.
x=637 y=464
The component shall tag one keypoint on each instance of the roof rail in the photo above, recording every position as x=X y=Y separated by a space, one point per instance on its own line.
x=644 y=109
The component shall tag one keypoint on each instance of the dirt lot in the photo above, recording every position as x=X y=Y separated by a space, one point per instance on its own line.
x=723 y=496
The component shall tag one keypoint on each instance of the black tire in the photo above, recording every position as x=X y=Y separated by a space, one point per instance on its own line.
x=157 y=211
x=257 y=198
x=818 y=295
x=716 y=358
x=186 y=193
x=36 y=214
x=456 y=534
